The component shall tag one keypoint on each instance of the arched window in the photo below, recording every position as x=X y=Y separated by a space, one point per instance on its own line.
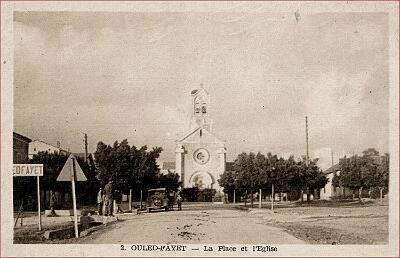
x=204 y=108
x=197 y=105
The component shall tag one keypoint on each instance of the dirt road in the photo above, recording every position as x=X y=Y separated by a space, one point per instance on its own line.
x=194 y=227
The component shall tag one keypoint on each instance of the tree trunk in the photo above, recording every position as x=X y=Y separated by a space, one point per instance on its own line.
x=381 y=195
x=344 y=193
x=130 y=199
x=360 y=194
x=141 y=199
x=245 y=199
x=273 y=197
x=251 y=196
x=308 y=194
x=301 y=195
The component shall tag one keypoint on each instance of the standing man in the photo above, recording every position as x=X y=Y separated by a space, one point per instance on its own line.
x=100 y=201
x=118 y=200
x=179 y=200
x=53 y=202
x=171 y=200
x=108 y=197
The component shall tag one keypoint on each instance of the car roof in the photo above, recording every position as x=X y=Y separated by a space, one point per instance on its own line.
x=157 y=189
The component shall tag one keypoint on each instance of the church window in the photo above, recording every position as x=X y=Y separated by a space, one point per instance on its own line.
x=197 y=105
x=201 y=132
x=204 y=108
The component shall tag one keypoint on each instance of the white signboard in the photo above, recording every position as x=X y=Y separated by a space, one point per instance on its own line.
x=28 y=170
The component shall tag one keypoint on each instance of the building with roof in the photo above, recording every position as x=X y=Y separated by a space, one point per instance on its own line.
x=37 y=146
x=200 y=154
x=331 y=192
x=20 y=148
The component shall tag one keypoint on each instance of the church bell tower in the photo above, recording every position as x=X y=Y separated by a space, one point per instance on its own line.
x=200 y=109
x=200 y=155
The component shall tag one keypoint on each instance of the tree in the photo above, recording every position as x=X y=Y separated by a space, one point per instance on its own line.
x=127 y=166
x=315 y=179
x=382 y=180
x=246 y=172
x=169 y=180
x=370 y=152
x=228 y=180
x=257 y=171
x=360 y=172
x=353 y=174
x=302 y=177
x=379 y=174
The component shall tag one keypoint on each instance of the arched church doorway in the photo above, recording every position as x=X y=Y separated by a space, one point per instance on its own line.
x=202 y=180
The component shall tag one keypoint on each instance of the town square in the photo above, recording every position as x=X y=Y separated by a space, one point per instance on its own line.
x=181 y=129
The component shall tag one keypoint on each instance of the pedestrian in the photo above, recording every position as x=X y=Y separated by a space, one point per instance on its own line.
x=179 y=200
x=53 y=202
x=100 y=201
x=108 y=196
x=118 y=200
x=171 y=200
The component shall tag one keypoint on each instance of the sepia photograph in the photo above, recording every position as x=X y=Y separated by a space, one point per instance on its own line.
x=235 y=128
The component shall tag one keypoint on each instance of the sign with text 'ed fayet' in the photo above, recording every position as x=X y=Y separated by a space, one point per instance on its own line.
x=27 y=169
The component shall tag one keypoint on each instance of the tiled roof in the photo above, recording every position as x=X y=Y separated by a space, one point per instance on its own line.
x=61 y=149
x=21 y=137
x=332 y=169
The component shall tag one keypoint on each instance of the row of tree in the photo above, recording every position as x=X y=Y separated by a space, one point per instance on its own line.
x=369 y=171
x=136 y=168
x=130 y=167
x=257 y=171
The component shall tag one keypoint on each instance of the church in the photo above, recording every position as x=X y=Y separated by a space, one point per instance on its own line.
x=200 y=155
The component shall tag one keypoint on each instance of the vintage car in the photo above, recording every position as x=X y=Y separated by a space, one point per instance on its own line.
x=157 y=199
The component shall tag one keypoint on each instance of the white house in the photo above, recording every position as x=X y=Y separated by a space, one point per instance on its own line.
x=329 y=191
x=37 y=146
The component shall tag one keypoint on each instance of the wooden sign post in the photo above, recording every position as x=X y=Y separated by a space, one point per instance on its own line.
x=31 y=170
x=72 y=172
x=38 y=197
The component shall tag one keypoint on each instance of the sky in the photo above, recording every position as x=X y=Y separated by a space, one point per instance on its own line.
x=129 y=75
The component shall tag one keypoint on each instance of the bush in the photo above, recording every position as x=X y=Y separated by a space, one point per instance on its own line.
x=206 y=195
x=190 y=194
x=194 y=194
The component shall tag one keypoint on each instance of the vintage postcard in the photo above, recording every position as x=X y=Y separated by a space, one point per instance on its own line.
x=199 y=129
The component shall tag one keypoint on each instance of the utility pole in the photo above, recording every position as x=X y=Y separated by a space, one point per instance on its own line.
x=332 y=158
x=86 y=151
x=307 y=141
x=307 y=161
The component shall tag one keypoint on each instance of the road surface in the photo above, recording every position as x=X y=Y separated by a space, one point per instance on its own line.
x=192 y=226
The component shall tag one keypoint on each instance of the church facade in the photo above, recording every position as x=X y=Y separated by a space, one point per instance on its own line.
x=200 y=155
